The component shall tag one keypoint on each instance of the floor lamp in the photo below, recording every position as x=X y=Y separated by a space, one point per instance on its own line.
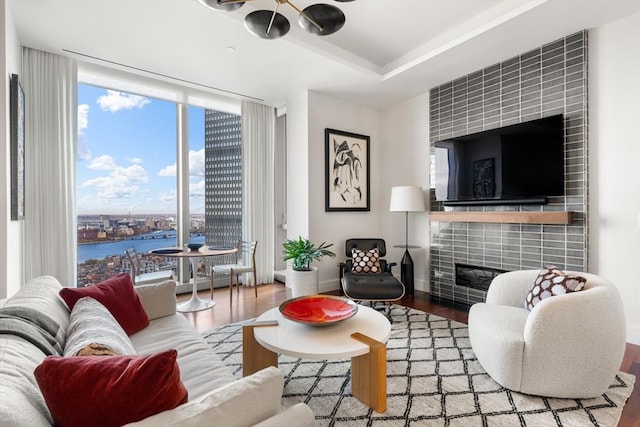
x=407 y=199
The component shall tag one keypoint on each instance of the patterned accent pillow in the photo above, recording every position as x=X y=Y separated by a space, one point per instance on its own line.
x=552 y=281
x=365 y=262
x=91 y=323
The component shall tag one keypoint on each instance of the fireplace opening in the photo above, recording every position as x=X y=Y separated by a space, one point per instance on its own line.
x=475 y=276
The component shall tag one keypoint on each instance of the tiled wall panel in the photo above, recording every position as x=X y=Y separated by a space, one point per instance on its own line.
x=545 y=81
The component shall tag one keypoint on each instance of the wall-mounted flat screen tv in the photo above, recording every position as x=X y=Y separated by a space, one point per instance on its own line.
x=517 y=164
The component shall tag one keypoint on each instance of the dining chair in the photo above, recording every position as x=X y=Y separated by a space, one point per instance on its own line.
x=144 y=278
x=245 y=262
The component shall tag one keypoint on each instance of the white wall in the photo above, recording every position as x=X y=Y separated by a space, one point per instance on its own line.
x=336 y=227
x=11 y=256
x=399 y=151
x=297 y=167
x=307 y=116
x=614 y=106
x=405 y=151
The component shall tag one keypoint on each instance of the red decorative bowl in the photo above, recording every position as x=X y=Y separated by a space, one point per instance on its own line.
x=318 y=310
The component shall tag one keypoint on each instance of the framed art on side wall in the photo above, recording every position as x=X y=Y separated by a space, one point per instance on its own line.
x=347 y=176
x=16 y=106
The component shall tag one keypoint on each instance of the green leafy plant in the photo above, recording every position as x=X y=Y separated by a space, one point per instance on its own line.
x=302 y=252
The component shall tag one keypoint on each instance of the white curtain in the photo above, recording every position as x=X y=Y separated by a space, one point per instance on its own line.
x=258 y=142
x=50 y=86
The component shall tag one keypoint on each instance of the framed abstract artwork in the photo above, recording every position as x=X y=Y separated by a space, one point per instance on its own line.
x=347 y=172
x=484 y=184
x=16 y=105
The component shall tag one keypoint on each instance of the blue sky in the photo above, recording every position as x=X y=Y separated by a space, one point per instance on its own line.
x=127 y=154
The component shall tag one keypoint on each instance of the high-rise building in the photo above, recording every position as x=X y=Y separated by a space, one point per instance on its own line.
x=223 y=177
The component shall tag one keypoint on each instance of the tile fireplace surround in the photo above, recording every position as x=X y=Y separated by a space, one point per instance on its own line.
x=545 y=81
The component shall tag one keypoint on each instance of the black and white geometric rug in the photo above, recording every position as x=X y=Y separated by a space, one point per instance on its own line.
x=433 y=379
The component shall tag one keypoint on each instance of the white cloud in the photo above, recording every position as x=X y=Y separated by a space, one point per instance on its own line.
x=83 y=118
x=120 y=184
x=104 y=162
x=92 y=204
x=135 y=173
x=196 y=189
x=196 y=165
x=169 y=196
x=117 y=193
x=83 y=150
x=83 y=122
x=135 y=160
x=114 y=101
x=168 y=199
x=168 y=170
x=119 y=177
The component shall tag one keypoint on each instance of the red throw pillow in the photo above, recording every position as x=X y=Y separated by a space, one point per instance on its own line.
x=109 y=391
x=120 y=298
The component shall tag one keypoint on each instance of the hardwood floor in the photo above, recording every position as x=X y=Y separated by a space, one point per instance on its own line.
x=246 y=306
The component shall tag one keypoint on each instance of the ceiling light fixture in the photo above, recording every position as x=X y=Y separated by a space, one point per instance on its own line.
x=320 y=19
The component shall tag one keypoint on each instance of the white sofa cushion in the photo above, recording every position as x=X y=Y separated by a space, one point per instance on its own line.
x=91 y=323
x=239 y=404
x=299 y=412
x=21 y=403
x=159 y=299
x=41 y=294
x=200 y=367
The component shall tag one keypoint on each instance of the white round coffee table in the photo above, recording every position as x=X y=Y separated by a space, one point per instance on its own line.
x=322 y=342
x=362 y=338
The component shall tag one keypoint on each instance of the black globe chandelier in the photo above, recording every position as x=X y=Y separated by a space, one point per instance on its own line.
x=320 y=19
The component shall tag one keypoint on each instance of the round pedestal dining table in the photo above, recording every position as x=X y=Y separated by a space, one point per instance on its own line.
x=195 y=303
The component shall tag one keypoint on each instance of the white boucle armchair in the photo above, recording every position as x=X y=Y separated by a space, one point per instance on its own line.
x=568 y=346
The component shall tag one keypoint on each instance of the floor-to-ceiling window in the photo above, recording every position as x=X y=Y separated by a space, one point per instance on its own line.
x=126 y=180
x=126 y=194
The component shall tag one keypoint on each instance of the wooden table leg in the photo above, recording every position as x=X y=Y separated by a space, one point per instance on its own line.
x=254 y=356
x=369 y=374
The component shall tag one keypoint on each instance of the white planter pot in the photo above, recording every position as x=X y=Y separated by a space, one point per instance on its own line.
x=302 y=282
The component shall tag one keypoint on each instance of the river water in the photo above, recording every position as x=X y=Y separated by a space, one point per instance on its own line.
x=141 y=243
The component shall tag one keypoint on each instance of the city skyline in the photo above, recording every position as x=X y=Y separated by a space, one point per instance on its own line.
x=127 y=154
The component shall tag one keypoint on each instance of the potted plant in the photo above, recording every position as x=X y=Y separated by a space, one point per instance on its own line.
x=302 y=278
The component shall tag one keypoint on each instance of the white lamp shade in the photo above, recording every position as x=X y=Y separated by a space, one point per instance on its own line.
x=408 y=198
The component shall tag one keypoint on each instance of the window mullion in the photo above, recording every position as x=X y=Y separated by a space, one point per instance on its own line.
x=182 y=185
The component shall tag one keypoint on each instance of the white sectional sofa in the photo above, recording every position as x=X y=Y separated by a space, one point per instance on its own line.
x=214 y=395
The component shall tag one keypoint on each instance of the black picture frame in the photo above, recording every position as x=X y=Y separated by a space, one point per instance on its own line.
x=347 y=171
x=16 y=106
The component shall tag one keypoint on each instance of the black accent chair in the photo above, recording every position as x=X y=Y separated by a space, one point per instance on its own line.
x=372 y=287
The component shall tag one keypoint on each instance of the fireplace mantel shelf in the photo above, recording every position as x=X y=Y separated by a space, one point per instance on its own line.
x=552 y=217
